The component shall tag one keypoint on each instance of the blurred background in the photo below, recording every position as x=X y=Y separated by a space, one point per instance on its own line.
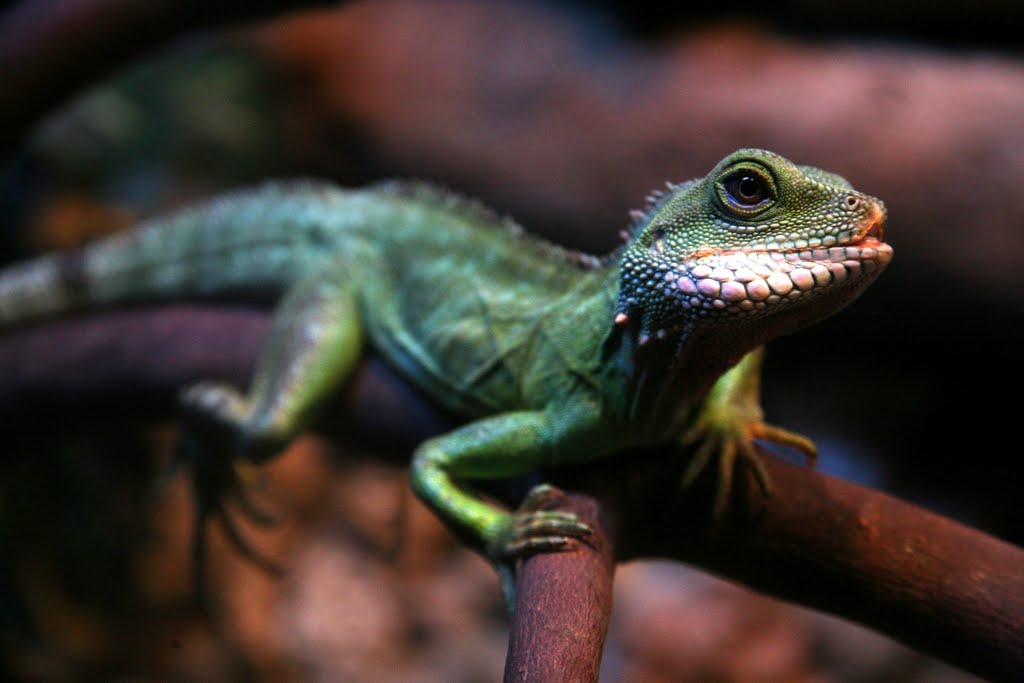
x=563 y=115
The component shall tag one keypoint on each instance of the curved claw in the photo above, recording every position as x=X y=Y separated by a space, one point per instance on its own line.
x=734 y=445
x=543 y=531
x=210 y=506
x=213 y=478
x=205 y=511
x=788 y=439
x=243 y=545
x=726 y=425
x=698 y=462
x=244 y=476
x=734 y=452
x=531 y=530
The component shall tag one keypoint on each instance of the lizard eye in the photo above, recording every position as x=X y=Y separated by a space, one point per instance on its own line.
x=746 y=190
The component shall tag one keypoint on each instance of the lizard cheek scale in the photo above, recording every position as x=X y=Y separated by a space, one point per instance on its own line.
x=747 y=283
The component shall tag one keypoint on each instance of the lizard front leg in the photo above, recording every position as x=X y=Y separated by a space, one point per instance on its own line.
x=313 y=343
x=726 y=425
x=505 y=445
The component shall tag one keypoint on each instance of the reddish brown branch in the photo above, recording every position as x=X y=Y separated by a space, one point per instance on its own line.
x=940 y=586
x=926 y=580
x=563 y=603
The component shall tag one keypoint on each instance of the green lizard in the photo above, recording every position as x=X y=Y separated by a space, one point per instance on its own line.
x=555 y=356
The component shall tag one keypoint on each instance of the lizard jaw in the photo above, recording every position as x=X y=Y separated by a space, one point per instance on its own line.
x=875 y=232
x=873 y=229
x=755 y=282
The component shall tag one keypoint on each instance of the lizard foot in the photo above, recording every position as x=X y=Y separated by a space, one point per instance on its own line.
x=731 y=441
x=208 y=446
x=216 y=481
x=531 y=530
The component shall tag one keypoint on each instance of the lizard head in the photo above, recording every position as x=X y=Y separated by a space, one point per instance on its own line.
x=757 y=248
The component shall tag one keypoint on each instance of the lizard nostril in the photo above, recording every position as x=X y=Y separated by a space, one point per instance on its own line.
x=852 y=201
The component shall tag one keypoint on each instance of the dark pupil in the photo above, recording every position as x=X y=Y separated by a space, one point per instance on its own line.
x=749 y=188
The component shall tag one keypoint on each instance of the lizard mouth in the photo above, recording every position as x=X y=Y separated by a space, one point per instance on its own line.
x=871 y=232
x=731 y=282
x=871 y=237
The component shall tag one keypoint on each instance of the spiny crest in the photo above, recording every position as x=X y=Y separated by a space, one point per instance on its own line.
x=639 y=218
x=274 y=189
x=478 y=212
x=428 y=193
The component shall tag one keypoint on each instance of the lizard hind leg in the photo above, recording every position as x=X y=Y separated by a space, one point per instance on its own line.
x=217 y=445
x=313 y=343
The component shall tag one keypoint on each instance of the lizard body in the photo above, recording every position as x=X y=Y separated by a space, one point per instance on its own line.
x=555 y=356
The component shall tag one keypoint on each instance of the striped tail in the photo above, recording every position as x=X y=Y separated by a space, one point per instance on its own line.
x=251 y=240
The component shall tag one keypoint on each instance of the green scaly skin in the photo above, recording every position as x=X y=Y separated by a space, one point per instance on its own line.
x=555 y=356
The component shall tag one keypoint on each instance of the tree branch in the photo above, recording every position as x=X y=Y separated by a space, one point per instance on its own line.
x=563 y=604
x=928 y=581
x=933 y=583
x=50 y=49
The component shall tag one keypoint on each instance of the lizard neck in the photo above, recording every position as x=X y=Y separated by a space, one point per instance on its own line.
x=663 y=379
x=659 y=379
x=642 y=387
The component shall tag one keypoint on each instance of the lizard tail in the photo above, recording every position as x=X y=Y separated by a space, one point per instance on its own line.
x=252 y=241
x=39 y=287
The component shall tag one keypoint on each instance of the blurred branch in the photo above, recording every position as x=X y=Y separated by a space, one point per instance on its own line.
x=50 y=49
x=938 y=585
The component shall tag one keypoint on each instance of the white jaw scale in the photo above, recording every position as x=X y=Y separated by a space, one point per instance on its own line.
x=730 y=283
